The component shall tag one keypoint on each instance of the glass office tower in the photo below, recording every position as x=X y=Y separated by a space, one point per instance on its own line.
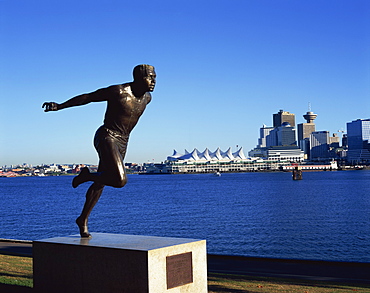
x=358 y=138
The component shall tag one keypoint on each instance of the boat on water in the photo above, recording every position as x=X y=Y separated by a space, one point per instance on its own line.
x=311 y=167
x=217 y=174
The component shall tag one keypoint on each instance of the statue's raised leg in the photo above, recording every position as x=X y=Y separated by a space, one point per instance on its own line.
x=83 y=177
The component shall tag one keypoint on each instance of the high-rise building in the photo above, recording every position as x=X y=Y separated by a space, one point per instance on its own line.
x=277 y=136
x=319 y=145
x=305 y=129
x=304 y=132
x=334 y=141
x=283 y=116
x=310 y=117
x=267 y=137
x=285 y=135
x=279 y=141
x=284 y=124
x=358 y=137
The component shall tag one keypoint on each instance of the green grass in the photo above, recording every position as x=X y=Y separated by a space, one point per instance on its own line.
x=15 y=270
x=220 y=283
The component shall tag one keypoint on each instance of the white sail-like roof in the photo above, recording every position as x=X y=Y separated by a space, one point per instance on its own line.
x=239 y=155
x=216 y=155
x=176 y=155
x=194 y=155
x=207 y=156
x=227 y=155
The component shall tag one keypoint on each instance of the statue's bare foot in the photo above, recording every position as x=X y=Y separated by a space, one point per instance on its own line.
x=84 y=232
x=81 y=178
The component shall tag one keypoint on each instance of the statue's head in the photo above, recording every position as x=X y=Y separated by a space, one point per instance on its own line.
x=145 y=74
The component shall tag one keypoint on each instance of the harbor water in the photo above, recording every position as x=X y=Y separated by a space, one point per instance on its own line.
x=325 y=216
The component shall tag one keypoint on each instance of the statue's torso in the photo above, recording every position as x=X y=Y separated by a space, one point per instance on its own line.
x=124 y=109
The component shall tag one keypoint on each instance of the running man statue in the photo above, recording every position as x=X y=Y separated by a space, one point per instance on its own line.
x=125 y=104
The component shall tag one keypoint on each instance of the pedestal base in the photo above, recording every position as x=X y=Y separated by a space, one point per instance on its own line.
x=119 y=263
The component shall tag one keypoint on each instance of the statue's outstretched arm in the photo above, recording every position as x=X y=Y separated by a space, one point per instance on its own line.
x=50 y=106
x=97 y=96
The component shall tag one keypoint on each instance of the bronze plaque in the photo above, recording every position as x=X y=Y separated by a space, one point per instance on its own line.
x=179 y=269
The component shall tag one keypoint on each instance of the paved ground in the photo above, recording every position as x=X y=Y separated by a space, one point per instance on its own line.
x=286 y=268
x=16 y=247
x=267 y=267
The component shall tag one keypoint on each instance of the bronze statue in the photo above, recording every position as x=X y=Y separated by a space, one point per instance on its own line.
x=125 y=104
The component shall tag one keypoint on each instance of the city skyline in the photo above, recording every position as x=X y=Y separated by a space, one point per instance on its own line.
x=222 y=69
x=230 y=148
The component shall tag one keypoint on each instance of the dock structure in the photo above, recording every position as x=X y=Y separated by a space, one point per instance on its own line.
x=297 y=173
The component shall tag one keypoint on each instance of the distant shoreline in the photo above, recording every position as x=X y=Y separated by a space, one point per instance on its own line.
x=189 y=173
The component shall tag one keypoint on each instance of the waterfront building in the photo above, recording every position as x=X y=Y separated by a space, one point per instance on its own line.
x=249 y=165
x=319 y=145
x=257 y=152
x=287 y=152
x=280 y=153
x=283 y=116
x=358 y=137
x=211 y=162
x=228 y=161
x=279 y=159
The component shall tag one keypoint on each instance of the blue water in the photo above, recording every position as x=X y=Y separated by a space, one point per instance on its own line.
x=325 y=216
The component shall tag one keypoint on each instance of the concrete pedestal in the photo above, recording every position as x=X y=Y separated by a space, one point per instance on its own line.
x=119 y=263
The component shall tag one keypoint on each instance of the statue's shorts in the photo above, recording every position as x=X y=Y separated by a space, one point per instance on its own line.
x=110 y=144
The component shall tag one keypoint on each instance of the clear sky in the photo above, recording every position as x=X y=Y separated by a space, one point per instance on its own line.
x=223 y=68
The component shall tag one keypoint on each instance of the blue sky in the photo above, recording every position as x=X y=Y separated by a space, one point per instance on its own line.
x=223 y=68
